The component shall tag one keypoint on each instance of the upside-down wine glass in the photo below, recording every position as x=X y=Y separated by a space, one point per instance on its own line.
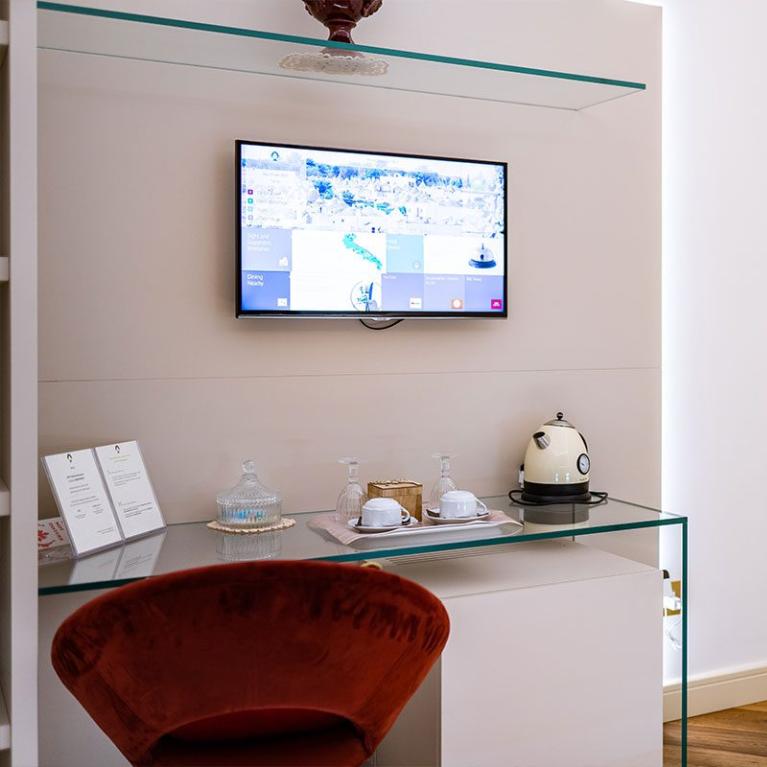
x=352 y=497
x=444 y=484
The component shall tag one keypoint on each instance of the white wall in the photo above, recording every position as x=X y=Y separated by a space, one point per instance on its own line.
x=137 y=331
x=714 y=363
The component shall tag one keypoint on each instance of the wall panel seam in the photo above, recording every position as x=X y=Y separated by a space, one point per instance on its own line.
x=377 y=374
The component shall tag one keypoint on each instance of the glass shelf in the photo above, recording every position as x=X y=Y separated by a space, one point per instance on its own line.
x=118 y=34
x=184 y=546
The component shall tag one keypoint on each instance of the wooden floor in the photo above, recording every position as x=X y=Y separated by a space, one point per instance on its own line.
x=733 y=738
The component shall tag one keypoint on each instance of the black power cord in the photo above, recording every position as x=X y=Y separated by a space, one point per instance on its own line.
x=381 y=325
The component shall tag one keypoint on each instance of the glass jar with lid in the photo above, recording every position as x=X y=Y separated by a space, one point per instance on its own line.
x=249 y=504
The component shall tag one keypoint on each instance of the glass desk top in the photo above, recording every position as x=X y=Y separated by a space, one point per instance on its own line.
x=193 y=544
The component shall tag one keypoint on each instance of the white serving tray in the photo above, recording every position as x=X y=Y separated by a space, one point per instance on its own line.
x=498 y=520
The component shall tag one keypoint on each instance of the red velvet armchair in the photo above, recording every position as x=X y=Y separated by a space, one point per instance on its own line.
x=284 y=664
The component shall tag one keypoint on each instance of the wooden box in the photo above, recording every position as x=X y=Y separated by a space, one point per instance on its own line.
x=408 y=494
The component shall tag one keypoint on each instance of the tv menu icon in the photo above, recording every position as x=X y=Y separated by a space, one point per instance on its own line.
x=496 y=304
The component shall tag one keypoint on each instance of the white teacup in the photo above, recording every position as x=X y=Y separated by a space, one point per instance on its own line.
x=384 y=512
x=459 y=504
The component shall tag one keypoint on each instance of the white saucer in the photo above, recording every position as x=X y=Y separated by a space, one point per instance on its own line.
x=352 y=524
x=434 y=517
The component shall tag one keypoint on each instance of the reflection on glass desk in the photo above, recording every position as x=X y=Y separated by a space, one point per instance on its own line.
x=189 y=545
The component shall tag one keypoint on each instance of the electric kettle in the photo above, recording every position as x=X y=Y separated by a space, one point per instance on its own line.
x=557 y=465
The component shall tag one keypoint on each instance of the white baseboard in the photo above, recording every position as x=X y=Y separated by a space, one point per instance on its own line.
x=716 y=691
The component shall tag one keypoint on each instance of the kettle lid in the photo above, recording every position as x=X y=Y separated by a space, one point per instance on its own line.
x=559 y=421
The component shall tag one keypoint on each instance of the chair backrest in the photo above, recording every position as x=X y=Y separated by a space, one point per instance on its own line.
x=172 y=652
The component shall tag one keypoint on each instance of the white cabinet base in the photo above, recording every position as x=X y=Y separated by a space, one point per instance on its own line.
x=554 y=658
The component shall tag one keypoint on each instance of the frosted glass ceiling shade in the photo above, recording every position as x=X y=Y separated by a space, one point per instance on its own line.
x=331 y=62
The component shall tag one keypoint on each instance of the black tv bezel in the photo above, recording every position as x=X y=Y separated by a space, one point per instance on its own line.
x=382 y=315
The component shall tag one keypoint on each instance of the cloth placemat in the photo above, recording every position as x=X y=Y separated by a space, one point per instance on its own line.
x=344 y=534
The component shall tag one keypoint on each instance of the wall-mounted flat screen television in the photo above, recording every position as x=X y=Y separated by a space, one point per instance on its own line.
x=339 y=233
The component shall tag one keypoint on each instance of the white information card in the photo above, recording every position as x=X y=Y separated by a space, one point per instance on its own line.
x=82 y=500
x=127 y=481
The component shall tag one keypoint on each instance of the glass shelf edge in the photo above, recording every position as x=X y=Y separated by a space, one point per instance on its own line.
x=49 y=591
x=48 y=5
x=398 y=89
x=501 y=541
x=362 y=555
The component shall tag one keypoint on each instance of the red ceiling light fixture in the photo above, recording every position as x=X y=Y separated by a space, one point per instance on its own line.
x=341 y=16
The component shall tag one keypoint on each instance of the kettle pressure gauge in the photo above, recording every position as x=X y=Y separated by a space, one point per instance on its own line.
x=584 y=464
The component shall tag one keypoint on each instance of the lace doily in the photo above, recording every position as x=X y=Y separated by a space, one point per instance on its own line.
x=335 y=64
x=283 y=524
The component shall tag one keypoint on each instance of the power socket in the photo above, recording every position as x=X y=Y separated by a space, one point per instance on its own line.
x=673 y=605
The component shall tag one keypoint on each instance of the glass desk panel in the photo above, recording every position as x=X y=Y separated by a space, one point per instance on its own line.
x=184 y=546
x=189 y=545
x=119 y=34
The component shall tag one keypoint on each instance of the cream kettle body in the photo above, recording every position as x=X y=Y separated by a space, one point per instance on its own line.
x=557 y=465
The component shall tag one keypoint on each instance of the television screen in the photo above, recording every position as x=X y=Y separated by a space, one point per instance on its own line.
x=337 y=233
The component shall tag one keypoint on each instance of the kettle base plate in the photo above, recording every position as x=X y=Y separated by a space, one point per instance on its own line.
x=536 y=493
x=553 y=515
x=546 y=500
x=558 y=509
